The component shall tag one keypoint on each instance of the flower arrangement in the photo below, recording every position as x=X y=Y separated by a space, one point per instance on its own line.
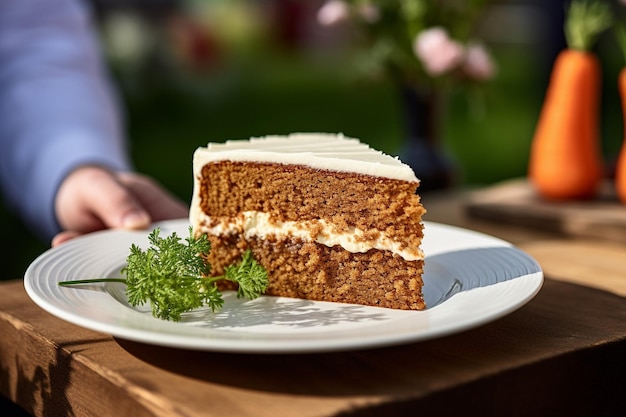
x=418 y=42
x=425 y=46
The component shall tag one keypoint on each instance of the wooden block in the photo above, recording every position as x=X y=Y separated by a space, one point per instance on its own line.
x=516 y=202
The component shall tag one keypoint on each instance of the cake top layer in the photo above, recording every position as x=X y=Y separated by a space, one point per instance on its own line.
x=334 y=152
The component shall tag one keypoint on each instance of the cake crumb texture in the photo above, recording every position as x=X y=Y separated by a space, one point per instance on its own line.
x=299 y=193
x=299 y=266
x=314 y=271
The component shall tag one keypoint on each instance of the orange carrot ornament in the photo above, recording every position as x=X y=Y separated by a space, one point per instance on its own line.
x=565 y=159
x=620 y=168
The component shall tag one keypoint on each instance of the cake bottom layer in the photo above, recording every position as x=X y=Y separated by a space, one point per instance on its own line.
x=313 y=271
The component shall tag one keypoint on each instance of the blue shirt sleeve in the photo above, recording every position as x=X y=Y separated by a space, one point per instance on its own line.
x=57 y=108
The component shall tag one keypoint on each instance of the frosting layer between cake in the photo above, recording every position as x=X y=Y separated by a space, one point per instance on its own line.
x=253 y=224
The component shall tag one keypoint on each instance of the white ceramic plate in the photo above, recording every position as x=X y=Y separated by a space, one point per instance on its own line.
x=471 y=279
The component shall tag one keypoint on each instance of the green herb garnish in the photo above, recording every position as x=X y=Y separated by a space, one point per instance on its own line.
x=174 y=276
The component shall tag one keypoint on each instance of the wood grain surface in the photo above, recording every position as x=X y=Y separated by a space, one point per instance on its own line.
x=560 y=354
x=51 y=367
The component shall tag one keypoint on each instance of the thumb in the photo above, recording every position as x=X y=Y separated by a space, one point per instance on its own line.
x=117 y=207
x=91 y=198
x=114 y=204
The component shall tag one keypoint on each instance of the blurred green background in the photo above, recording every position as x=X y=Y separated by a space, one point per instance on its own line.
x=240 y=68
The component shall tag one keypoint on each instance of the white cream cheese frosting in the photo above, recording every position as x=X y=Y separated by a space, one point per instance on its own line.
x=334 y=152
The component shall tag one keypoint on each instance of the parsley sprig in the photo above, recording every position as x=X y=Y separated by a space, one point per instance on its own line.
x=174 y=276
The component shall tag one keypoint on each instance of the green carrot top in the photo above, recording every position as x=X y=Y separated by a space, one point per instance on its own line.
x=585 y=21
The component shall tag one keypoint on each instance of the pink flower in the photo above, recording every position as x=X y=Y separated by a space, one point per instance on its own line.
x=333 y=12
x=370 y=13
x=478 y=64
x=437 y=51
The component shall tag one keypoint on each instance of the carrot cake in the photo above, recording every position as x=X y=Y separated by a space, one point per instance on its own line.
x=330 y=218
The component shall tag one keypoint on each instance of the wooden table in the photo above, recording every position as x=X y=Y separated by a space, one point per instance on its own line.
x=563 y=353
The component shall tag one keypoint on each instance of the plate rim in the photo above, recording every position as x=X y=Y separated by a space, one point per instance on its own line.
x=268 y=345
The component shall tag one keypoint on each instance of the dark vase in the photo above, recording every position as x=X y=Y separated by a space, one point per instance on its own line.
x=423 y=151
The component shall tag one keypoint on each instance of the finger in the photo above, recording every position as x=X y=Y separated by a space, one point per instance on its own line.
x=63 y=237
x=114 y=204
x=157 y=201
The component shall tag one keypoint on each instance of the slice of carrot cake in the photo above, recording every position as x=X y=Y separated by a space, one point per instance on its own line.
x=330 y=218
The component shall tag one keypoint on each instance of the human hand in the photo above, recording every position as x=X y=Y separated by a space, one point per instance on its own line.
x=92 y=198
